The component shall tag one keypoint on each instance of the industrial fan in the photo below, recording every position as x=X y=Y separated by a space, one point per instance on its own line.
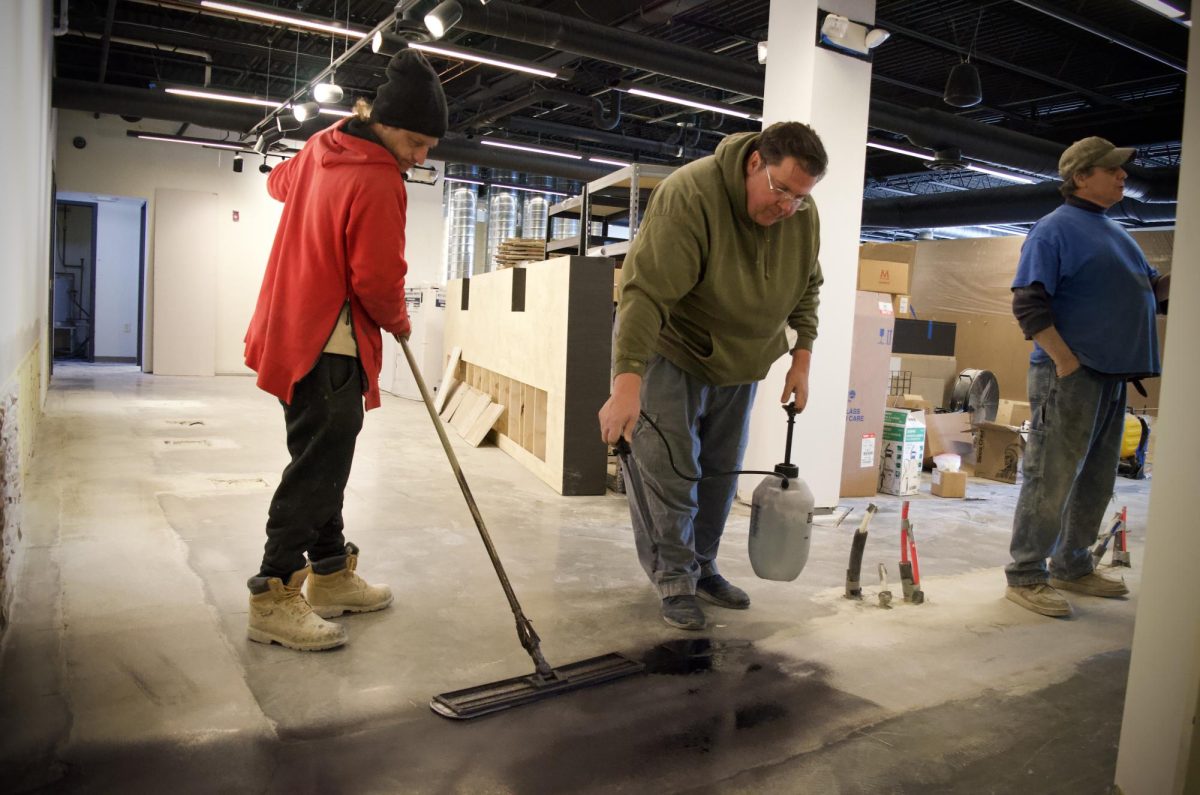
x=976 y=392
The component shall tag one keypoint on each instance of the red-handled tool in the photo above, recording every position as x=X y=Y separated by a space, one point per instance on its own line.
x=1120 y=556
x=906 y=569
x=918 y=596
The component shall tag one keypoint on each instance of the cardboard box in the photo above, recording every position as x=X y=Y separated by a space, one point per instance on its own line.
x=948 y=484
x=909 y=401
x=901 y=305
x=870 y=354
x=998 y=450
x=949 y=433
x=932 y=390
x=903 y=451
x=1013 y=412
x=884 y=277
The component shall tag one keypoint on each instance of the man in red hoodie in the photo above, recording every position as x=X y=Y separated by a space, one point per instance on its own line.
x=334 y=280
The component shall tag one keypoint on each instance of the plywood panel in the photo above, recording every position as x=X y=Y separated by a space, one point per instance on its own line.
x=185 y=285
x=479 y=429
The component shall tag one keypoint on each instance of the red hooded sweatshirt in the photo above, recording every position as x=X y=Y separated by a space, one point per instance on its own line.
x=341 y=237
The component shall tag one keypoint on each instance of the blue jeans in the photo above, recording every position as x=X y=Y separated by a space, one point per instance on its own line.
x=678 y=529
x=1070 y=468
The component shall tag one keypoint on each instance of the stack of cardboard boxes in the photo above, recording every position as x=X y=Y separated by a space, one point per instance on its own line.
x=886 y=453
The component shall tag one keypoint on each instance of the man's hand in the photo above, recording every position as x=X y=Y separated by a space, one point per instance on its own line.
x=1066 y=365
x=796 y=382
x=620 y=412
x=1065 y=361
x=404 y=332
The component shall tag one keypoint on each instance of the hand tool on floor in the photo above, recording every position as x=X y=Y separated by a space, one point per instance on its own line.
x=885 y=596
x=906 y=572
x=545 y=681
x=1102 y=546
x=918 y=596
x=854 y=570
x=1120 y=555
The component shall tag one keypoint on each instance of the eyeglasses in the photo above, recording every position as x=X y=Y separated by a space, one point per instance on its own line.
x=797 y=203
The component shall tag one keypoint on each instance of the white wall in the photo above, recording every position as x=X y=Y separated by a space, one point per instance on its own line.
x=118 y=261
x=25 y=199
x=115 y=164
x=1160 y=740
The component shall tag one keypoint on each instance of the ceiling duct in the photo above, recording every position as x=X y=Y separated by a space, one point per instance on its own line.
x=604 y=43
x=1017 y=204
x=602 y=119
x=948 y=159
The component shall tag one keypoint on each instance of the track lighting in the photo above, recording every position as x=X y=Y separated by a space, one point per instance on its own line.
x=237 y=164
x=264 y=168
x=327 y=93
x=305 y=111
x=442 y=18
x=387 y=44
x=286 y=122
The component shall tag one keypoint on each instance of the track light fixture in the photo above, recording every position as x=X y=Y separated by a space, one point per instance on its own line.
x=286 y=122
x=305 y=111
x=441 y=19
x=237 y=164
x=264 y=168
x=327 y=93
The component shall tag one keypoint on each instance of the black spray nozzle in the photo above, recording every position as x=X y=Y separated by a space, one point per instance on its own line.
x=622 y=447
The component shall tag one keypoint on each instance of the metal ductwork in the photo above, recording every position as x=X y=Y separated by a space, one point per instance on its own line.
x=1019 y=204
x=604 y=43
x=94 y=98
x=935 y=129
x=604 y=121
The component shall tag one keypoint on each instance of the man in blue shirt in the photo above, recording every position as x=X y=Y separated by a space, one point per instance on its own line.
x=1086 y=296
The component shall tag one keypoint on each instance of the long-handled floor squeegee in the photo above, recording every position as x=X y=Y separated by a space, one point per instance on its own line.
x=545 y=681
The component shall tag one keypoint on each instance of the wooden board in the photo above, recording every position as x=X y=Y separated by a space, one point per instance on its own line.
x=457 y=392
x=479 y=429
x=439 y=400
x=472 y=406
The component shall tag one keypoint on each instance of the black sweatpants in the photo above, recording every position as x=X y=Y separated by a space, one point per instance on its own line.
x=323 y=422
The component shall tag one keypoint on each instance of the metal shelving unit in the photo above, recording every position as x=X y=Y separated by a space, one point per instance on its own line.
x=619 y=196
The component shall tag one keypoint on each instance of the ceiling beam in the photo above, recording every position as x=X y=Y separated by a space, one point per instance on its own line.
x=1111 y=36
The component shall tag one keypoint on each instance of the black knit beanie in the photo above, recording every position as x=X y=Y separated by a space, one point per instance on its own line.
x=412 y=97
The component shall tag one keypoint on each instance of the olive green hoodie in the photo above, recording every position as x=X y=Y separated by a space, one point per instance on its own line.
x=707 y=287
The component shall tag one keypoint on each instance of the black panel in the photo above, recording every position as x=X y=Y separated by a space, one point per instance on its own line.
x=465 y=303
x=518 y=289
x=589 y=358
x=927 y=337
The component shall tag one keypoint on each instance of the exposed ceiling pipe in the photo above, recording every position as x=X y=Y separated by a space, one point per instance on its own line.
x=543 y=127
x=205 y=56
x=603 y=120
x=123 y=101
x=935 y=129
x=1019 y=204
x=556 y=31
x=460 y=150
x=106 y=41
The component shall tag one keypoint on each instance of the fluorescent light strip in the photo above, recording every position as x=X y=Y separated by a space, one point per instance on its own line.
x=209 y=144
x=534 y=149
x=607 y=162
x=1001 y=174
x=336 y=112
x=186 y=92
x=693 y=103
x=287 y=20
x=1166 y=9
x=466 y=55
x=466 y=181
x=899 y=151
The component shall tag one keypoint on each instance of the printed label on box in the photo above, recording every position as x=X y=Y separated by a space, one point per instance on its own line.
x=867 y=458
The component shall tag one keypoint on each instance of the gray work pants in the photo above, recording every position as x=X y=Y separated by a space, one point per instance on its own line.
x=1070 y=468
x=678 y=530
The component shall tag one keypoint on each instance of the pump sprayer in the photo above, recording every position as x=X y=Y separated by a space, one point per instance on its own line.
x=781 y=510
x=781 y=514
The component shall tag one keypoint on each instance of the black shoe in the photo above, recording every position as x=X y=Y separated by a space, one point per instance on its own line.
x=683 y=612
x=722 y=593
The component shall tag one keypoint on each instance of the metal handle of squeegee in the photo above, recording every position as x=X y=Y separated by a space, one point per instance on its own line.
x=528 y=637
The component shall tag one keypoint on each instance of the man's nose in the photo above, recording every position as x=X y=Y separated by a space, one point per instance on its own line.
x=420 y=154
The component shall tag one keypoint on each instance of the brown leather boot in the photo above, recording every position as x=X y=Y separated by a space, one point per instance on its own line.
x=280 y=614
x=341 y=590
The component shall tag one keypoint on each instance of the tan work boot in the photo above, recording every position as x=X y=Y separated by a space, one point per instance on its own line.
x=280 y=614
x=1040 y=598
x=340 y=590
x=1094 y=584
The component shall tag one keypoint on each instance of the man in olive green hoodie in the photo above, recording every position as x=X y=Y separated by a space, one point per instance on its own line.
x=725 y=260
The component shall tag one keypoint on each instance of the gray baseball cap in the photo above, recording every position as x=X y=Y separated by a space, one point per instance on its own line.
x=1090 y=153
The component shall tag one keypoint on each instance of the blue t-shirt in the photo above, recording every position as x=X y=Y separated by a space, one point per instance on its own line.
x=1100 y=289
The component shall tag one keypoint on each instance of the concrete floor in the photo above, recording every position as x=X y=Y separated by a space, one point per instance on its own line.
x=127 y=669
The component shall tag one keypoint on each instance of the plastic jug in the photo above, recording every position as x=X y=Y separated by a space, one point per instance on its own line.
x=781 y=514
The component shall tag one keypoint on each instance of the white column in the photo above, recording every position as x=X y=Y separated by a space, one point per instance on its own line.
x=1160 y=741
x=831 y=92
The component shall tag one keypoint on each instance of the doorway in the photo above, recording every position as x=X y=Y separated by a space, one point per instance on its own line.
x=73 y=280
